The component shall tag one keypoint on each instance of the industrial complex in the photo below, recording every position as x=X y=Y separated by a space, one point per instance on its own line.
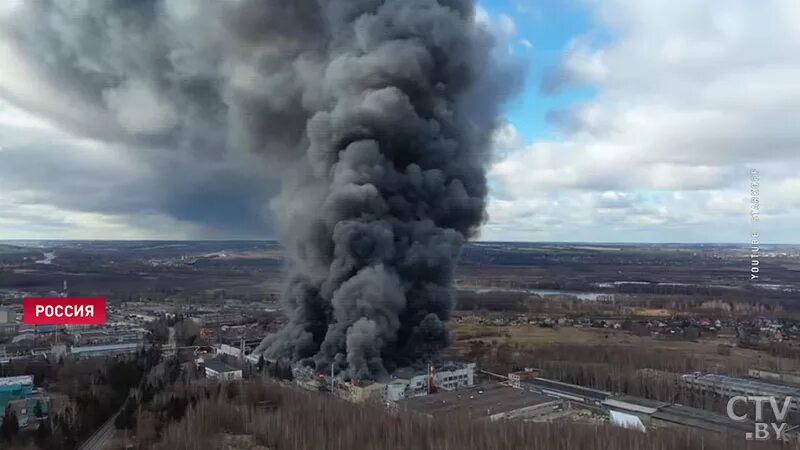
x=452 y=389
x=19 y=396
x=224 y=350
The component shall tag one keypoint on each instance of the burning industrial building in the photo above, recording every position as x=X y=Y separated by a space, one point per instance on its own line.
x=374 y=116
x=391 y=186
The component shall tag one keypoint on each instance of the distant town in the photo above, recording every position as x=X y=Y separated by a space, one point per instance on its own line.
x=540 y=334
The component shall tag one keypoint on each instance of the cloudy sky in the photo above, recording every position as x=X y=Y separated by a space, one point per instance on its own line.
x=640 y=121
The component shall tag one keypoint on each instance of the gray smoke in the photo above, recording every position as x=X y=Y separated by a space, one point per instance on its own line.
x=394 y=185
x=374 y=114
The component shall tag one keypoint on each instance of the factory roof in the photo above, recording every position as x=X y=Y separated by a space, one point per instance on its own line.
x=747 y=385
x=570 y=389
x=219 y=366
x=480 y=400
x=22 y=379
x=103 y=348
x=702 y=419
x=451 y=366
x=636 y=404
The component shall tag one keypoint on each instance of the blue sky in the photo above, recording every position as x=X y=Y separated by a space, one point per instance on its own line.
x=669 y=104
x=549 y=26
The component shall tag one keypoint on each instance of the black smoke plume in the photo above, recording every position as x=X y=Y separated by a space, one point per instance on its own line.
x=374 y=114
x=395 y=183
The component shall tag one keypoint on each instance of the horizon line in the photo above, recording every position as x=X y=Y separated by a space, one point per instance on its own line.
x=468 y=242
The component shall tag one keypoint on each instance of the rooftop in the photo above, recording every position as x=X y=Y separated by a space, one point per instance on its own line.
x=444 y=367
x=571 y=389
x=743 y=384
x=107 y=347
x=11 y=381
x=479 y=400
x=631 y=402
x=704 y=420
x=219 y=366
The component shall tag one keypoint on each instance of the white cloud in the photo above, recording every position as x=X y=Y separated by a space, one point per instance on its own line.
x=528 y=7
x=506 y=25
x=505 y=140
x=139 y=110
x=690 y=95
x=482 y=16
x=55 y=184
x=33 y=221
x=503 y=27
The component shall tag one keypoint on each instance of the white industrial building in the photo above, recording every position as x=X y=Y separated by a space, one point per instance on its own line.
x=234 y=352
x=492 y=402
x=89 y=351
x=733 y=386
x=447 y=378
x=7 y=316
x=222 y=371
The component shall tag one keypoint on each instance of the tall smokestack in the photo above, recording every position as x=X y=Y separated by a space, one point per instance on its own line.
x=431 y=378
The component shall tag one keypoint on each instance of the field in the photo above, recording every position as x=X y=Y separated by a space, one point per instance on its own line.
x=704 y=351
x=249 y=268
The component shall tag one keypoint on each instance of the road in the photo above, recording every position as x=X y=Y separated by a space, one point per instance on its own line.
x=102 y=436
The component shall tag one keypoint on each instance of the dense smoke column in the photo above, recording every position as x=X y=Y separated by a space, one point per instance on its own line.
x=393 y=185
x=374 y=114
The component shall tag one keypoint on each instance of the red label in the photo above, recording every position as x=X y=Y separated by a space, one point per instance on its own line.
x=64 y=311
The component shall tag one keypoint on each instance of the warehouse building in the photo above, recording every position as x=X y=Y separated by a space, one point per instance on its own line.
x=787 y=378
x=515 y=379
x=7 y=316
x=108 y=336
x=14 y=388
x=492 y=402
x=701 y=419
x=568 y=391
x=732 y=386
x=364 y=392
x=448 y=377
x=220 y=370
x=89 y=351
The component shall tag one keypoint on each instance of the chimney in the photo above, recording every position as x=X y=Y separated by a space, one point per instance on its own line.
x=431 y=373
